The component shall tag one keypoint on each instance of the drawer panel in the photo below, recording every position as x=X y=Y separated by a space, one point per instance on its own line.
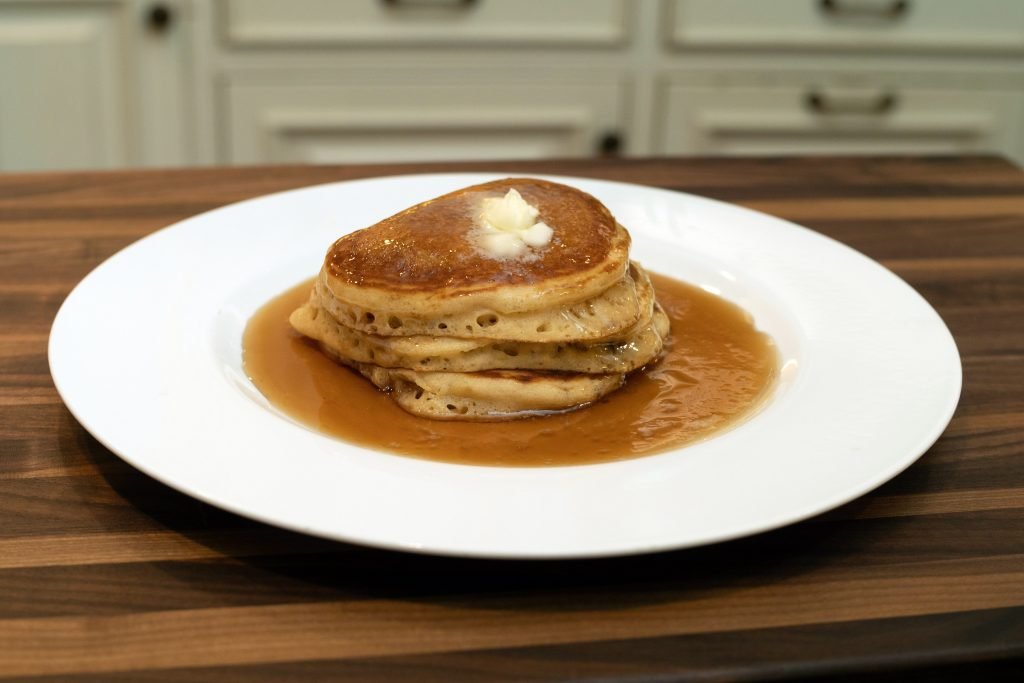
x=424 y=22
x=788 y=120
x=417 y=121
x=898 y=25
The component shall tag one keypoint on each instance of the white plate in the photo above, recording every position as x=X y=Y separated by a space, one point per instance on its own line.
x=146 y=353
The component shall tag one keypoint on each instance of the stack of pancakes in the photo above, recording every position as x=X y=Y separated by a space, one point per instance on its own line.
x=452 y=331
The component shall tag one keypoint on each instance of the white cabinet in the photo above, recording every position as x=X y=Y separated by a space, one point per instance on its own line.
x=103 y=83
x=86 y=84
x=397 y=116
x=885 y=118
x=63 y=102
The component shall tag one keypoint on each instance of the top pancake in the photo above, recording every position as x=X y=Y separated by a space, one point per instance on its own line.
x=423 y=260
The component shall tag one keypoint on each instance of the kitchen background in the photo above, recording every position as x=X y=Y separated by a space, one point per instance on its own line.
x=127 y=83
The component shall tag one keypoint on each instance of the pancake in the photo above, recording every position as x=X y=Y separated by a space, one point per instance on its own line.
x=508 y=299
x=424 y=262
x=484 y=396
x=614 y=310
x=639 y=346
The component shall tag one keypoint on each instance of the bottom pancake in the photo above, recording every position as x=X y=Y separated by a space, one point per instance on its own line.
x=483 y=396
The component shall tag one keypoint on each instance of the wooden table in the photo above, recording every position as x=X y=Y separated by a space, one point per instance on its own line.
x=106 y=575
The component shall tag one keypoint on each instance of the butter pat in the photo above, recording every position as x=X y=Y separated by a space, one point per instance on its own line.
x=509 y=226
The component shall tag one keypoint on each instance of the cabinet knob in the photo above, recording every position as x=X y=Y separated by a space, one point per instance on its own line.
x=609 y=144
x=890 y=9
x=159 y=18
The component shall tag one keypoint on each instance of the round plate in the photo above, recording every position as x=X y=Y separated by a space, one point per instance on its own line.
x=146 y=353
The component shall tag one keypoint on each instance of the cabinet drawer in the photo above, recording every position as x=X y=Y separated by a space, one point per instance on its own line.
x=796 y=120
x=417 y=120
x=898 y=25
x=424 y=22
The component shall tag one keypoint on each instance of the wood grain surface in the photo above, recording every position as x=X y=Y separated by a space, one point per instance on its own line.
x=107 y=575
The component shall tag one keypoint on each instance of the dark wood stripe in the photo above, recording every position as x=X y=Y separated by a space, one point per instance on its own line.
x=989 y=331
x=889 y=208
x=924 y=648
x=930 y=238
x=113 y=573
x=994 y=386
x=940 y=503
x=949 y=284
x=886 y=203
x=342 y=630
x=184 y=191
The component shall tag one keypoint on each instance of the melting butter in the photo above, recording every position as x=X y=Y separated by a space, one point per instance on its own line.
x=509 y=226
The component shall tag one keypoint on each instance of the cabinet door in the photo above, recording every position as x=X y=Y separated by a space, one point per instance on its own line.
x=62 y=100
x=460 y=119
x=805 y=120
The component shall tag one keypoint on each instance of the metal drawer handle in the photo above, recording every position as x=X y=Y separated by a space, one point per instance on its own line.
x=429 y=4
x=820 y=103
x=894 y=9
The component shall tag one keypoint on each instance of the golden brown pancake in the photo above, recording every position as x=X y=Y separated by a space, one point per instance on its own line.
x=423 y=262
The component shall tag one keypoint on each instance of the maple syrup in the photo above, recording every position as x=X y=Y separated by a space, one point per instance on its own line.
x=716 y=371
